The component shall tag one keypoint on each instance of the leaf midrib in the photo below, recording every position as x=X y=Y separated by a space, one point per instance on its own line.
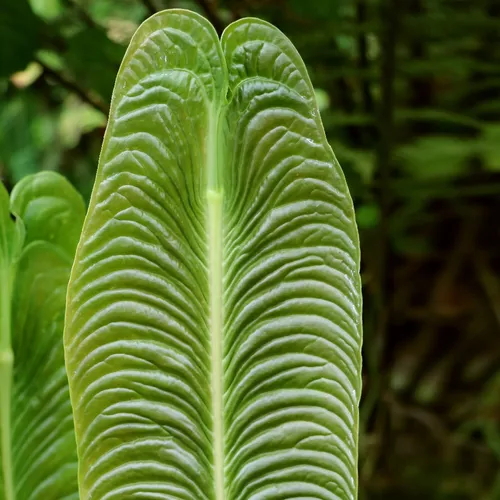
x=215 y=289
x=214 y=201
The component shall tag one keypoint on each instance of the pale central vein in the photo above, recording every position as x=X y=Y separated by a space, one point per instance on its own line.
x=214 y=200
x=215 y=290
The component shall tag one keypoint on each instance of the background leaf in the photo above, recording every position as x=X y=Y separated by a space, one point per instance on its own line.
x=43 y=442
x=94 y=60
x=19 y=36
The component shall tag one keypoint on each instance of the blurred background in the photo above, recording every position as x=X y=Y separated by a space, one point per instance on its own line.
x=409 y=91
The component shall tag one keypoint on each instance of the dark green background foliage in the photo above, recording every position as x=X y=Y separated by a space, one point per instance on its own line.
x=410 y=98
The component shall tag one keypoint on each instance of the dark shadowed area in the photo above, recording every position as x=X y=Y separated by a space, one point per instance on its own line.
x=410 y=97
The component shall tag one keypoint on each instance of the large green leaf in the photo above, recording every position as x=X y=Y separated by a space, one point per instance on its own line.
x=214 y=310
x=42 y=449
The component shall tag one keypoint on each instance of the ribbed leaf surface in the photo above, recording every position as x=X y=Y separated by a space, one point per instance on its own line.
x=213 y=325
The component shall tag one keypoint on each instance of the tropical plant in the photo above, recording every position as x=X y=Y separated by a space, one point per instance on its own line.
x=213 y=324
x=39 y=230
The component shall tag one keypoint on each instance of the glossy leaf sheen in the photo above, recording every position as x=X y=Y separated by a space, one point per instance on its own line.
x=213 y=324
x=43 y=448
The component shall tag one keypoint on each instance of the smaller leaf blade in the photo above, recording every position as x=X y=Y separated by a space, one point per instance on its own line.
x=43 y=442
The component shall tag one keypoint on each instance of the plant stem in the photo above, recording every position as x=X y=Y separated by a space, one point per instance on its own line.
x=363 y=64
x=6 y=365
x=380 y=315
x=6 y=362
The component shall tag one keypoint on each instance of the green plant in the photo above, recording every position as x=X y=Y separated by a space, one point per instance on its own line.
x=39 y=230
x=213 y=325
